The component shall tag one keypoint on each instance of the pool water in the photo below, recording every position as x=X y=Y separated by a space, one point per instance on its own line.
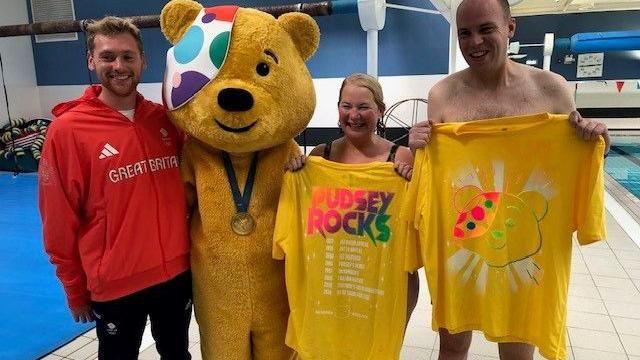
x=623 y=163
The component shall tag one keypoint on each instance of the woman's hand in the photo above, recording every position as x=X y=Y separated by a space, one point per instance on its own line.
x=403 y=169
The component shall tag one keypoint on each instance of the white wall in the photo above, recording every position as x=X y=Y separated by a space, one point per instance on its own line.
x=50 y=96
x=456 y=59
x=19 y=68
x=605 y=94
x=395 y=88
x=590 y=94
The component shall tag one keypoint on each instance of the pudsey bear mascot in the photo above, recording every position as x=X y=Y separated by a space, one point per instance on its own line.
x=236 y=83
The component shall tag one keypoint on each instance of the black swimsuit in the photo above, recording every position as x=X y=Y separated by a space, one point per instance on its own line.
x=390 y=158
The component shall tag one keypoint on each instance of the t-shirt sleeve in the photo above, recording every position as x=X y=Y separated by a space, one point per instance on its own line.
x=413 y=202
x=286 y=217
x=412 y=255
x=589 y=212
x=412 y=212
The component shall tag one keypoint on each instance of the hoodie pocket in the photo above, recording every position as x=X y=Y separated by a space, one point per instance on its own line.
x=129 y=251
x=92 y=240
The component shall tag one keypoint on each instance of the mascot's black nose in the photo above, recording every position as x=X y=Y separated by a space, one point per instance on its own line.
x=232 y=99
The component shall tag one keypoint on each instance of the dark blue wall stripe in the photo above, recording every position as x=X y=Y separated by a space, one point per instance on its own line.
x=313 y=136
x=617 y=64
x=410 y=44
x=631 y=112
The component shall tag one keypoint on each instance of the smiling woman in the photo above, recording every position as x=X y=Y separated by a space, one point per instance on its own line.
x=360 y=109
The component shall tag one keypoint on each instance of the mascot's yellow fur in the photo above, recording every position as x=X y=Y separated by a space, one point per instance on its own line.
x=260 y=99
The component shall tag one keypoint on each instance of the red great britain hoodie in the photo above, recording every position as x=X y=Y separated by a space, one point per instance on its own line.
x=111 y=199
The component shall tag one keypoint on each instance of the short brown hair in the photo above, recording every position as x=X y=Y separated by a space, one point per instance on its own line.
x=112 y=26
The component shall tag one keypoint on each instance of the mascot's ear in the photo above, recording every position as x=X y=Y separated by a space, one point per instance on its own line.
x=304 y=32
x=464 y=195
x=176 y=17
x=536 y=202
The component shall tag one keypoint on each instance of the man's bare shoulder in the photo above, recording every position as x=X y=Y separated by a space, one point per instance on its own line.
x=436 y=99
x=318 y=150
x=447 y=88
x=554 y=88
x=447 y=85
x=444 y=93
x=546 y=81
x=438 y=90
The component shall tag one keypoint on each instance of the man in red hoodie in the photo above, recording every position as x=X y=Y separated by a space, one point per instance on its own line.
x=113 y=206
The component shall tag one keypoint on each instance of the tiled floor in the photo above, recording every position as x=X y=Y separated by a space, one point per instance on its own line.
x=603 y=317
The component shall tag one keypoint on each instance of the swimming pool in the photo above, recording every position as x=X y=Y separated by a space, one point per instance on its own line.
x=623 y=162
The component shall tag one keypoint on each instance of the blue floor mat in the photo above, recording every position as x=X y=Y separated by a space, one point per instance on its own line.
x=33 y=308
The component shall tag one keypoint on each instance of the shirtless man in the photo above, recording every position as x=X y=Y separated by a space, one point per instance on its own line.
x=494 y=86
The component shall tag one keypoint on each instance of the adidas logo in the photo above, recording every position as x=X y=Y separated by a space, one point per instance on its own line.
x=108 y=151
x=164 y=132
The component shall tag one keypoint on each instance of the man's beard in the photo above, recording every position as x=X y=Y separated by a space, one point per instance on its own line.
x=119 y=90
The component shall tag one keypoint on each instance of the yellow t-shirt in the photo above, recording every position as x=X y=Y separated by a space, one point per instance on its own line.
x=496 y=202
x=339 y=231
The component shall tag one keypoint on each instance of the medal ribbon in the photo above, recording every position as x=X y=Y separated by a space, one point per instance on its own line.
x=241 y=201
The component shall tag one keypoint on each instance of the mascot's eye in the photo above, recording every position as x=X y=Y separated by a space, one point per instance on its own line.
x=471 y=225
x=262 y=69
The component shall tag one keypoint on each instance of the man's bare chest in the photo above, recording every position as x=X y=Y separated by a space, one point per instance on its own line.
x=467 y=106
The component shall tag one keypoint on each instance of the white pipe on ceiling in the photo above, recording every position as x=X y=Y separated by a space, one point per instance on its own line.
x=413 y=8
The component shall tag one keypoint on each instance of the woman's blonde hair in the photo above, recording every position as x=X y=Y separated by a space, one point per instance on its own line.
x=372 y=84
x=365 y=81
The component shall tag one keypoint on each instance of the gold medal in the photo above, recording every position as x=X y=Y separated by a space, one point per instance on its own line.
x=242 y=223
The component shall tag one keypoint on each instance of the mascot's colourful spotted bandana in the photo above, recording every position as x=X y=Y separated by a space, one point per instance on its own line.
x=195 y=61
